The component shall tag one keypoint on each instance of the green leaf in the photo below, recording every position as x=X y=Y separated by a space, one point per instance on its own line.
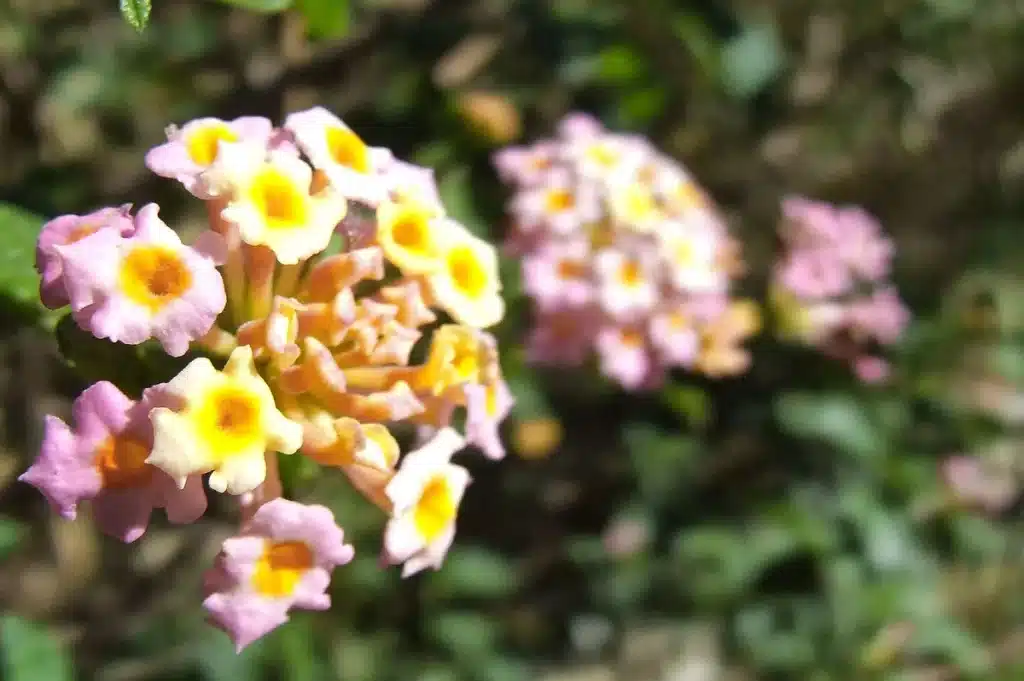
x=751 y=60
x=18 y=278
x=835 y=418
x=326 y=18
x=690 y=402
x=457 y=196
x=268 y=6
x=30 y=653
x=468 y=636
x=10 y=535
x=136 y=13
x=473 y=572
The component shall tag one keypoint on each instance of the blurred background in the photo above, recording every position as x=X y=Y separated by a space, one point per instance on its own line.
x=790 y=523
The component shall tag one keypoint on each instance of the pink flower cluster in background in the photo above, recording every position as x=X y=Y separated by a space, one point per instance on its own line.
x=305 y=349
x=623 y=255
x=831 y=287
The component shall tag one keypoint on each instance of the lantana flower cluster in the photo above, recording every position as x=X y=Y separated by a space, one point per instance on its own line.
x=831 y=288
x=623 y=255
x=296 y=346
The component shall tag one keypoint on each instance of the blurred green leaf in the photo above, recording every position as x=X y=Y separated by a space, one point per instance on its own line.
x=468 y=636
x=216 y=659
x=690 y=402
x=30 y=653
x=10 y=535
x=620 y=64
x=326 y=18
x=835 y=418
x=662 y=462
x=473 y=572
x=19 y=229
x=456 y=193
x=715 y=561
x=268 y=6
x=751 y=60
x=136 y=13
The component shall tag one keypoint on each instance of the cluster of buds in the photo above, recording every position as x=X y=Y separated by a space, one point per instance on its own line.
x=288 y=345
x=831 y=287
x=623 y=254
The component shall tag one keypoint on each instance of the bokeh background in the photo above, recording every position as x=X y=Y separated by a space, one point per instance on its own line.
x=790 y=523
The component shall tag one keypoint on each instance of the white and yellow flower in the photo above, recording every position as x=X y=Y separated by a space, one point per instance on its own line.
x=413 y=235
x=272 y=200
x=468 y=285
x=353 y=167
x=425 y=495
x=227 y=424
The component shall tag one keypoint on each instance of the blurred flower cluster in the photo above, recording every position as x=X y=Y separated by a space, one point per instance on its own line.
x=623 y=254
x=295 y=315
x=831 y=288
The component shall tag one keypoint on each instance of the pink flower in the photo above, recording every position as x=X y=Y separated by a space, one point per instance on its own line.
x=627 y=284
x=814 y=273
x=881 y=316
x=283 y=559
x=147 y=285
x=866 y=251
x=579 y=126
x=487 y=405
x=626 y=356
x=562 y=336
x=558 y=203
x=559 y=274
x=871 y=369
x=976 y=483
x=193 y=148
x=674 y=334
x=102 y=459
x=525 y=166
x=65 y=230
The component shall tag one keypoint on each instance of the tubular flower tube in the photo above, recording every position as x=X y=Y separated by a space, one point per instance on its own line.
x=830 y=286
x=285 y=346
x=623 y=255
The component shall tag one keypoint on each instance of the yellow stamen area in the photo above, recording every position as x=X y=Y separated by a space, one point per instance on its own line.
x=638 y=203
x=282 y=204
x=603 y=154
x=678 y=321
x=280 y=568
x=154 y=276
x=688 y=195
x=491 y=400
x=412 y=232
x=435 y=510
x=602 y=235
x=121 y=462
x=631 y=274
x=467 y=272
x=347 y=149
x=559 y=200
x=229 y=420
x=684 y=253
x=201 y=143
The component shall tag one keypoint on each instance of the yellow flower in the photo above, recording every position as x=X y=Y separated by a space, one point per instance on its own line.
x=412 y=235
x=458 y=355
x=227 y=424
x=467 y=285
x=272 y=203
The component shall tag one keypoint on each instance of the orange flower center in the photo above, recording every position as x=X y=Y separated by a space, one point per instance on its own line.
x=154 y=276
x=348 y=150
x=280 y=568
x=121 y=462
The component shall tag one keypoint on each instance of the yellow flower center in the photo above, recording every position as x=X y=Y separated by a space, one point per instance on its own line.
x=201 y=143
x=435 y=510
x=411 y=232
x=467 y=272
x=638 y=203
x=229 y=420
x=282 y=204
x=631 y=274
x=688 y=195
x=559 y=200
x=154 y=276
x=280 y=568
x=491 y=400
x=348 y=150
x=121 y=462
x=603 y=154
x=684 y=253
